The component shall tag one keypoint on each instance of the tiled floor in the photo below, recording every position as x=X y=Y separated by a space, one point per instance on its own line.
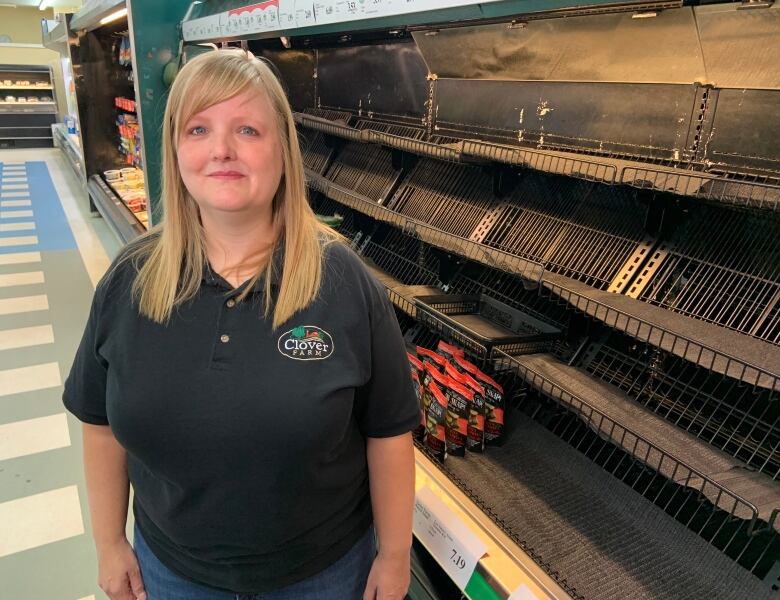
x=52 y=252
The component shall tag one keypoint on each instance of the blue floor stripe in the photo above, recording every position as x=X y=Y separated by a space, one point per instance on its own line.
x=52 y=227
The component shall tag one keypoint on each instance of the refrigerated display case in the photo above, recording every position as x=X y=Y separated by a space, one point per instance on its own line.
x=102 y=60
x=27 y=106
x=619 y=218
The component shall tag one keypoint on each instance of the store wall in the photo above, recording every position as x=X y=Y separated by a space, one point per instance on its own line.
x=23 y=26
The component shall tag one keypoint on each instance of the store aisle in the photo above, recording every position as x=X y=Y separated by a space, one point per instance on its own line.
x=47 y=277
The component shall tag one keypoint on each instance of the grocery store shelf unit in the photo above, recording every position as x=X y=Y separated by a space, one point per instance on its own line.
x=121 y=220
x=71 y=150
x=26 y=124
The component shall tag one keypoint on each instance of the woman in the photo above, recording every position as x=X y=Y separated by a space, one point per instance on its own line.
x=246 y=374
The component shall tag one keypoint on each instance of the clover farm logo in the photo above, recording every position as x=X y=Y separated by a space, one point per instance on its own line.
x=306 y=342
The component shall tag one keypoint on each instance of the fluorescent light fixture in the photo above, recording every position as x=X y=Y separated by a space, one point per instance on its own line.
x=114 y=16
x=44 y=4
x=7 y=5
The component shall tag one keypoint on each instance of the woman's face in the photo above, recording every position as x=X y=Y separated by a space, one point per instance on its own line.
x=230 y=156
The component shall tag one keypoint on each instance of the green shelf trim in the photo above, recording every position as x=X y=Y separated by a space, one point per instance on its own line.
x=479 y=589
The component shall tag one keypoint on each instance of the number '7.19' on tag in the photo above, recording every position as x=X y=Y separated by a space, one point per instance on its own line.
x=454 y=546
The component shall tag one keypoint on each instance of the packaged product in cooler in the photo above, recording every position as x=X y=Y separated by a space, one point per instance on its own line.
x=429 y=356
x=415 y=364
x=476 y=421
x=459 y=399
x=464 y=366
x=419 y=432
x=435 y=417
x=494 y=410
x=448 y=351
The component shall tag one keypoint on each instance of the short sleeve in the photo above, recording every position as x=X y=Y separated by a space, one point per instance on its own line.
x=387 y=404
x=85 y=387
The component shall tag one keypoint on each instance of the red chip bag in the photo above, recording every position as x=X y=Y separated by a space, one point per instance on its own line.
x=435 y=420
x=459 y=399
x=476 y=421
x=429 y=356
x=448 y=351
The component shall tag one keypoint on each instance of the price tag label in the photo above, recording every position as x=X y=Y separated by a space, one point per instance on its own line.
x=456 y=548
x=523 y=593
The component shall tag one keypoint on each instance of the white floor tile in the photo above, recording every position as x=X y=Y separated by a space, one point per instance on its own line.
x=25 y=304
x=19 y=258
x=23 y=226
x=4 y=194
x=40 y=519
x=14 y=203
x=26 y=240
x=22 y=438
x=28 y=379
x=13 y=187
x=5 y=179
x=24 y=337
x=30 y=278
x=88 y=598
x=15 y=214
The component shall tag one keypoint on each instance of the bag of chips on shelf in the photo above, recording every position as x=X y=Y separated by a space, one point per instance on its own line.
x=494 y=410
x=435 y=418
x=429 y=356
x=419 y=432
x=459 y=399
x=448 y=351
x=476 y=422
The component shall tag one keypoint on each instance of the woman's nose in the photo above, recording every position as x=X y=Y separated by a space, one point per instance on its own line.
x=222 y=147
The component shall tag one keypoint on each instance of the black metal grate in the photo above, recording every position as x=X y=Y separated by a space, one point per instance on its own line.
x=403 y=257
x=331 y=115
x=316 y=153
x=365 y=169
x=510 y=290
x=415 y=133
x=724 y=267
x=579 y=229
x=741 y=420
x=325 y=206
x=450 y=197
x=753 y=549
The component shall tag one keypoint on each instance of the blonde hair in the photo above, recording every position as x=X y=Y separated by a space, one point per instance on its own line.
x=174 y=251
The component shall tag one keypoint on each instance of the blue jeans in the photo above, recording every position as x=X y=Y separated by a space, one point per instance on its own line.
x=343 y=580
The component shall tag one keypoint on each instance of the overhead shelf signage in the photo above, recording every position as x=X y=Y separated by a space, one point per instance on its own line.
x=286 y=15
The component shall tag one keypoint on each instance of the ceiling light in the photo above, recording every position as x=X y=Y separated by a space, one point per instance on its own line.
x=44 y=4
x=114 y=16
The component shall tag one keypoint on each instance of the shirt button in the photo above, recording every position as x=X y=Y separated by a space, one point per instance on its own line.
x=224 y=338
x=230 y=303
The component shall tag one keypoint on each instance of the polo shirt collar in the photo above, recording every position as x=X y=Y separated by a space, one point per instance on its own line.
x=210 y=277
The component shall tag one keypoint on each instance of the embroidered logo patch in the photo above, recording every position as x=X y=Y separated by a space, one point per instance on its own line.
x=306 y=342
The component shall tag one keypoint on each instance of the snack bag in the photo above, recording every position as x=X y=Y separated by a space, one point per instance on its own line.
x=429 y=356
x=435 y=417
x=459 y=399
x=476 y=423
x=418 y=371
x=448 y=351
x=494 y=410
x=464 y=366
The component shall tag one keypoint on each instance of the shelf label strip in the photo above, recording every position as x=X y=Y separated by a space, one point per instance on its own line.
x=286 y=15
x=454 y=546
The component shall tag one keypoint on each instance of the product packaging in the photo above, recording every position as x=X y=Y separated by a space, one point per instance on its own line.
x=476 y=421
x=417 y=370
x=448 y=351
x=494 y=410
x=435 y=429
x=459 y=399
x=429 y=356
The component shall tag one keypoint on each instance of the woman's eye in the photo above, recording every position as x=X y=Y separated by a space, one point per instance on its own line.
x=246 y=130
x=197 y=130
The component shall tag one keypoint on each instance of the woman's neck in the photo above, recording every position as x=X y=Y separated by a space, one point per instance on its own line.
x=238 y=247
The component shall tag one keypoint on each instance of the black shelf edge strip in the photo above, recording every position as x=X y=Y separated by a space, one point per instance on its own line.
x=638 y=447
x=702 y=186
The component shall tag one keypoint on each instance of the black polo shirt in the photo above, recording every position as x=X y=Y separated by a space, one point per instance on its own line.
x=246 y=446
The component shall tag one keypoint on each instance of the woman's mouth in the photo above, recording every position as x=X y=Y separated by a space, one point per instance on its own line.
x=226 y=175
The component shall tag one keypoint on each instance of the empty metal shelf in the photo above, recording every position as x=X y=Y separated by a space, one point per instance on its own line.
x=664 y=447
x=605 y=541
